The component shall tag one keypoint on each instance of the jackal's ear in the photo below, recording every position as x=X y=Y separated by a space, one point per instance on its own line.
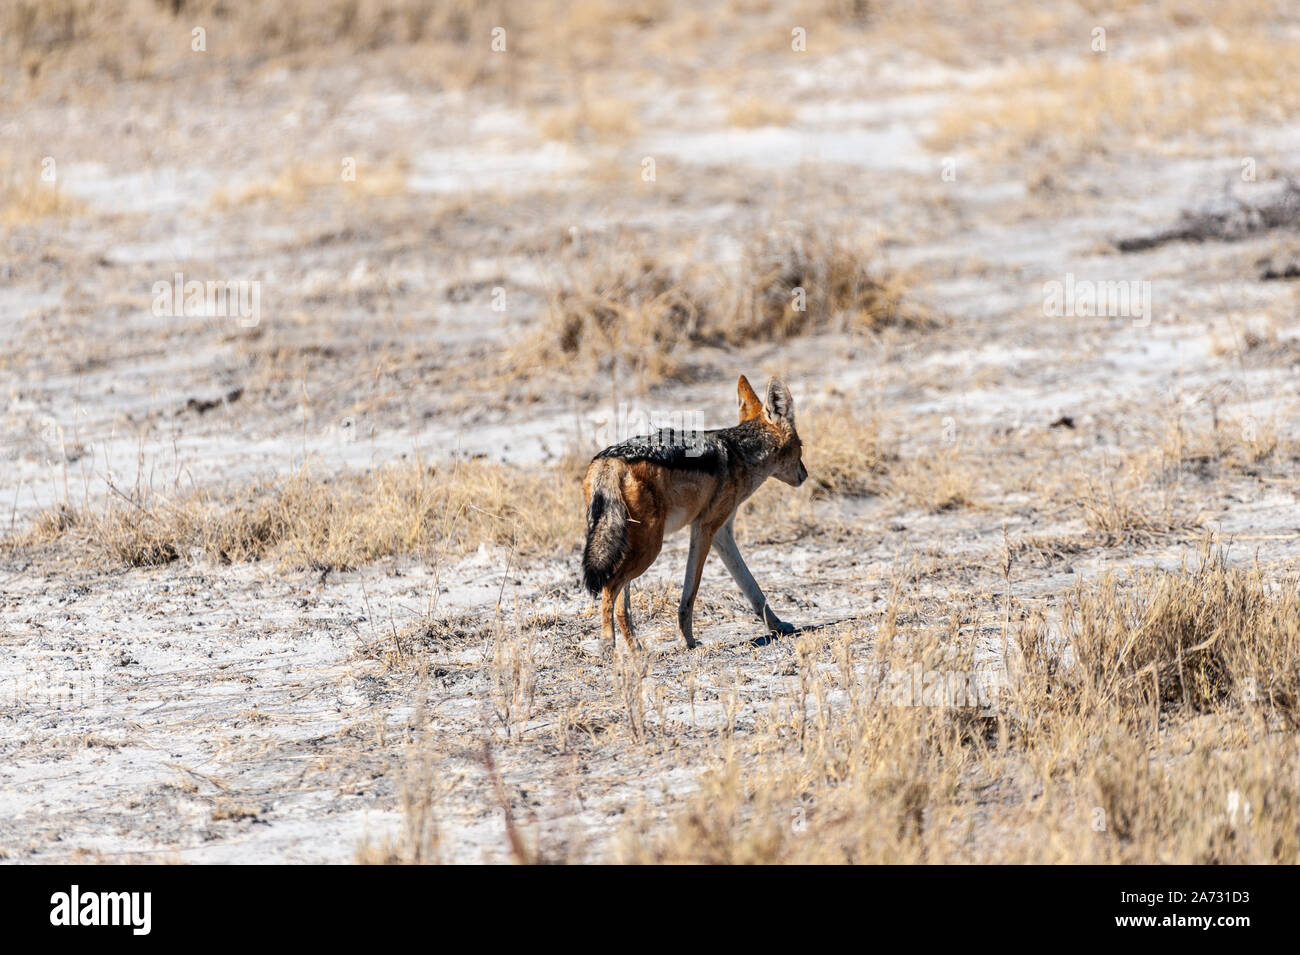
x=750 y=406
x=780 y=406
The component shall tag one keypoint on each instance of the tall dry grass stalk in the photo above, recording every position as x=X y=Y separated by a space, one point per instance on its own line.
x=421 y=796
x=514 y=678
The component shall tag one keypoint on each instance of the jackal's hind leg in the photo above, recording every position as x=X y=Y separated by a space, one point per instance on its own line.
x=701 y=537
x=607 y=620
x=623 y=613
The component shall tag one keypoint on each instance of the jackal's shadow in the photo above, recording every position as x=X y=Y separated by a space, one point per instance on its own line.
x=771 y=637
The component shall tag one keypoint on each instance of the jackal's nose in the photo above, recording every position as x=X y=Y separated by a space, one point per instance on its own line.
x=803 y=473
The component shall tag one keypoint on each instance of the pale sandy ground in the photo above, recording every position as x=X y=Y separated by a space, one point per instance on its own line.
x=234 y=714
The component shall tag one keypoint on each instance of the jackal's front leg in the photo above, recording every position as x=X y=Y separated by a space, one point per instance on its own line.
x=724 y=542
x=700 y=540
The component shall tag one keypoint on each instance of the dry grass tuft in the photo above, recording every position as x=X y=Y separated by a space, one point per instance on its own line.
x=1203 y=85
x=1120 y=514
x=917 y=747
x=1133 y=500
x=339 y=523
x=935 y=482
x=844 y=451
x=1193 y=638
x=446 y=44
x=413 y=645
x=25 y=197
x=631 y=309
x=1233 y=443
x=846 y=288
x=296 y=183
x=134 y=39
x=645 y=312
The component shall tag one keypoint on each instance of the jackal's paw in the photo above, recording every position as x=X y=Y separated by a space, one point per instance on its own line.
x=782 y=628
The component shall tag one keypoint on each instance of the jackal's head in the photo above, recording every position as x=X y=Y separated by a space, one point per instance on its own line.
x=777 y=419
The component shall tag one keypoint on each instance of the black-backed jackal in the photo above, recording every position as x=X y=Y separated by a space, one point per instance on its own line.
x=647 y=487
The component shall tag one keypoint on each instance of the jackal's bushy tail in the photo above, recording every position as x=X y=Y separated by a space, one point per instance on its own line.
x=606 y=532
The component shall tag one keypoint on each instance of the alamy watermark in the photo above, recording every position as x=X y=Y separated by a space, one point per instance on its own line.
x=917 y=686
x=55 y=686
x=675 y=428
x=129 y=909
x=1125 y=298
x=240 y=299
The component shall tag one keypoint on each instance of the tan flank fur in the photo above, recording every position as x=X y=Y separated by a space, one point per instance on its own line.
x=645 y=488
